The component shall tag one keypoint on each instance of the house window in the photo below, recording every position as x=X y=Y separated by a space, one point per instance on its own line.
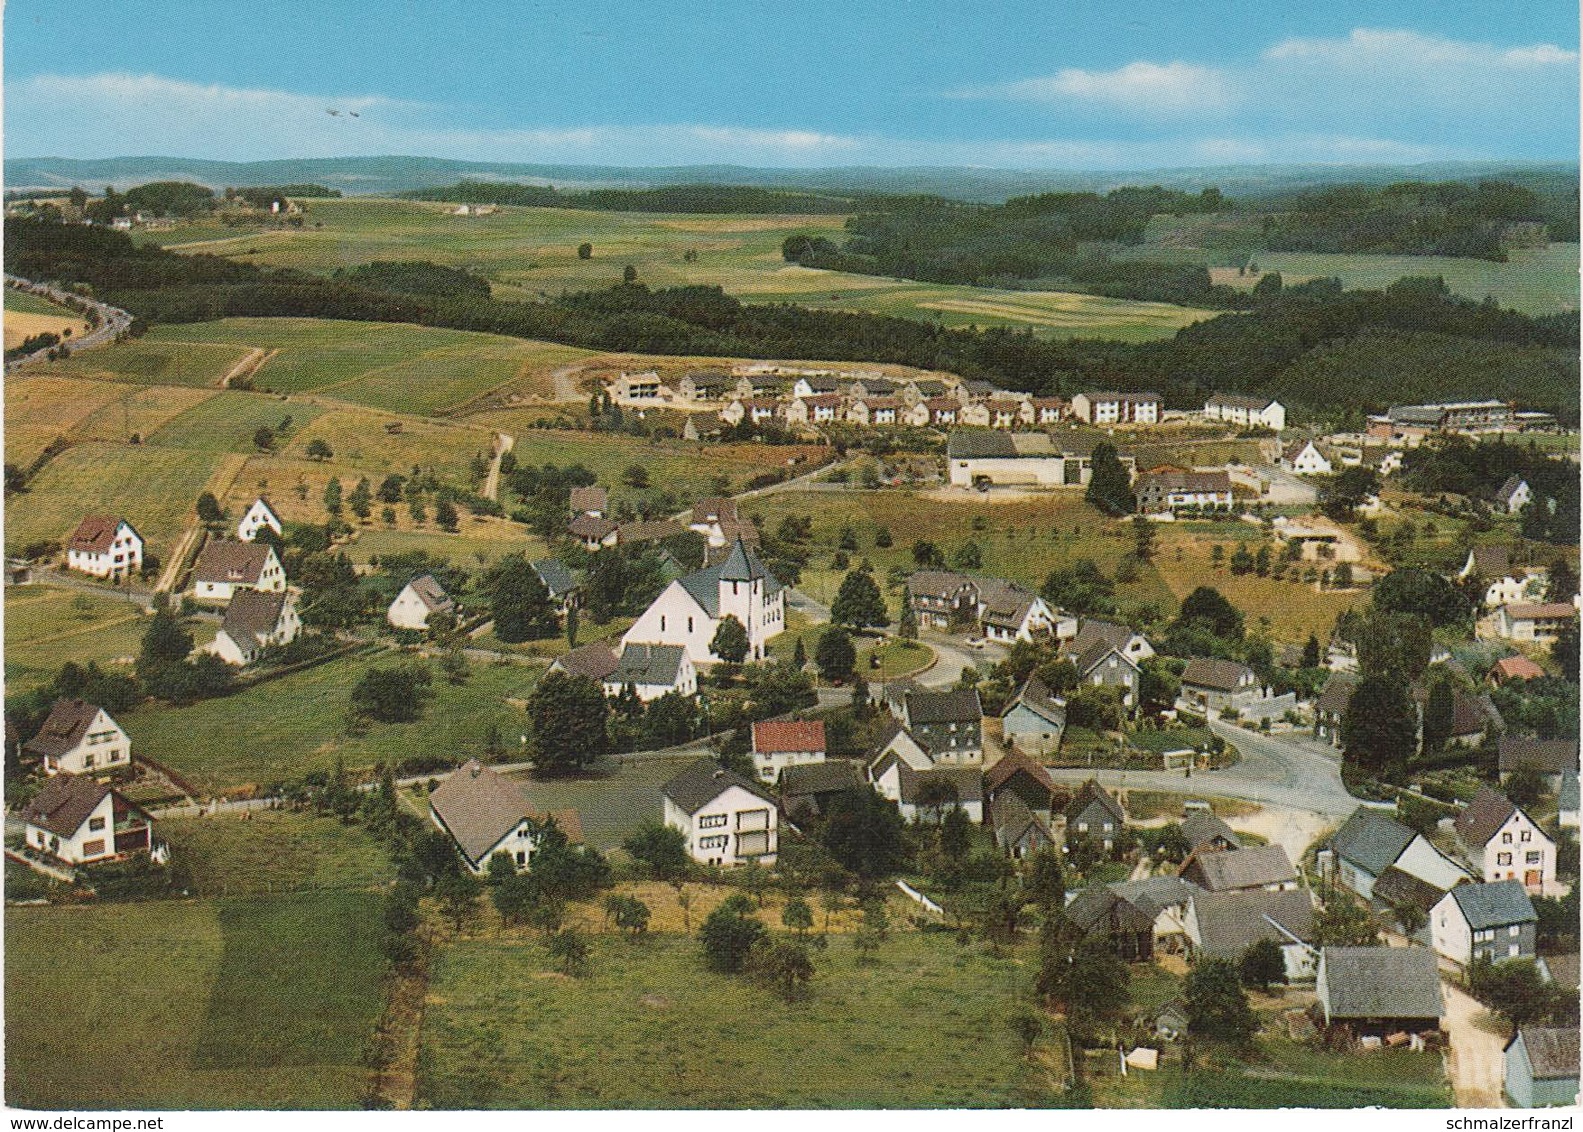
x=95 y=825
x=712 y=821
x=1527 y=835
x=718 y=841
x=1503 y=858
x=93 y=848
x=1514 y=931
x=689 y=624
x=1506 y=839
x=662 y=622
x=1535 y=857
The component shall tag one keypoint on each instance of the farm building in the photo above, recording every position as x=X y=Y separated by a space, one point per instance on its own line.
x=1542 y=1066
x=983 y=457
x=1380 y=990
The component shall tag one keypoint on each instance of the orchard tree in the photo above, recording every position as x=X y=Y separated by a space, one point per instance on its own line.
x=1217 y=1006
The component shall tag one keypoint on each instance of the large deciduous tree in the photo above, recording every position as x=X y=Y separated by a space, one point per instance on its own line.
x=568 y=713
x=519 y=600
x=1109 y=488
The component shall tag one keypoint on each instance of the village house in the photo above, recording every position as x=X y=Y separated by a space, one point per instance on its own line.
x=1567 y=801
x=1008 y=412
x=1165 y=899
x=255 y=621
x=593 y=531
x=226 y=566
x=1541 y=1066
x=1490 y=922
x=1049 y=410
x=1034 y=719
x=1016 y=773
x=1305 y=458
x=1010 y=612
x=558 y=580
x=593 y=501
x=79 y=738
x=1094 y=812
x=727 y=819
x=80 y=820
x=1514 y=668
x=1550 y=758
x=751 y=409
x=105 y=547
x=973 y=414
x=1099 y=911
x=595 y=662
x=764 y=385
x=1246 y=412
x=1205 y=833
x=896 y=742
x=486 y=814
x=1513 y=495
x=1117 y=408
x=930 y=793
x=873 y=411
x=1165 y=493
x=637 y=387
x=949 y=725
x=1260 y=867
x=782 y=743
x=689 y=610
x=915 y=391
x=1503 y=843
x=1375 y=991
x=1369 y=842
x=1223 y=925
x=807 y=790
x=1539 y=623
x=815 y=408
x=258 y=516
x=1211 y=686
x=943 y=411
x=818 y=385
x=417 y=601
x=652 y=671
x=1019 y=831
x=941 y=599
x=1331 y=706
x=698 y=385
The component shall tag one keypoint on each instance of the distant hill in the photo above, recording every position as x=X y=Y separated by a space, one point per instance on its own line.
x=375 y=175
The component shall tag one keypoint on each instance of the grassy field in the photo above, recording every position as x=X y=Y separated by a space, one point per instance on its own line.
x=614 y=801
x=531 y=253
x=164 y=356
x=38 y=409
x=45 y=626
x=242 y=1003
x=226 y=421
x=272 y=851
x=153 y=488
x=650 y=1027
x=201 y=741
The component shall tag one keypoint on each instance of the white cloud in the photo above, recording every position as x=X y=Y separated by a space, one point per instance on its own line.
x=1396 y=49
x=1141 y=87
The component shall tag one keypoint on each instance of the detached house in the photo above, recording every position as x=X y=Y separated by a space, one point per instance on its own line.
x=417 y=601
x=592 y=501
x=253 y=622
x=1331 y=706
x=1305 y=458
x=1019 y=831
x=930 y=793
x=79 y=820
x=79 y=738
x=105 y=547
x=1503 y=843
x=1551 y=758
x=1513 y=495
x=596 y=661
x=226 y=566
x=727 y=819
x=1010 y=612
x=1539 y=623
x=259 y=516
x=1206 y=833
x=485 y=813
x=1095 y=813
x=941 y=599
x=1034 y=720
x=559 y=581
x=1165 y=493
x=652 y=671
x=949 y=725
x=1485 y=921
x=782 y=743
x=1099 y=911
x=1211 y=686
x=689 y=610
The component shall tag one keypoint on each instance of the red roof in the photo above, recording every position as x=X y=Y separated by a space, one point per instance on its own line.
x=783 y=735
x=1516 y=668
x=94 y=534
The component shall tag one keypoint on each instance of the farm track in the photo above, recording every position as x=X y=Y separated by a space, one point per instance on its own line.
x=248 y=367
x=219 y=485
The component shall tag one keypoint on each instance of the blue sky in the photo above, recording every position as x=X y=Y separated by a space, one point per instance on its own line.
x=1074 y=84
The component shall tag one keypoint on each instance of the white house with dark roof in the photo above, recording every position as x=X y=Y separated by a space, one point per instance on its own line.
x=592 y=501
x=689 y=610
x=1369 y=843
x=417 y=600
x=78 y=820
x=1211 y=685
x=1223 y=925
x=1246 y=412
x=105 y=547
x=726 y=818
x=79 y=738
x=1305 y=458
x=1165 y=493
x=1011 y=612
x=1513 y=495
x=949 y=725
x=1485 y=921
x=226 y=566
x=485 y=813
x=652 y=671
x=257 y=517
x=1534 y=622
x=1503 y=843
x=930 y=793
x=255 y=621
x=1116 y=408
x=940 y=597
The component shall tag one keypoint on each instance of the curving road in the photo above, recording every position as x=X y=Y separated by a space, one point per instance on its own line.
x=112 y=320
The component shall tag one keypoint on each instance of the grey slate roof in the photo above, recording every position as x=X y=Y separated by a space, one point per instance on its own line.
x=703 y=781
x=1012 y=819
x=1382 y=982
x=1548 y=756
x=1398 y=886
x=555 y=576
x=1092 y=793
x=1229 y=922
x=1371 y=840
x=967 y=781
x=1157 y=893
x=959 y=706
x=1242 y=868
x=1099 y=909
x=648 y=664
x=1202 y=829
x=1494 y=905
x=742 y=564
x=939 y=584
x=980 y=444
x=820 y=778
x=1567 y=798
x=1037 y=698
x=1004 y=603
x=1552 y=1052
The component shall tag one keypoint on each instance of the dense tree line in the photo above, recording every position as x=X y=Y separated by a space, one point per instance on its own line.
x=416 y=277
x=1245 y=352
x=664 y=198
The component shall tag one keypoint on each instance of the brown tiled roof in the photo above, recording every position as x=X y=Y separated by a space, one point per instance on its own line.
x=94 y=534
x=589 y=499
x=64 y=804
x=431 y=593
x=650 y=531
x=715 y=509
x=230 y=560
x=1482 y=820
x=1013 y=764
x=590 y=527
x=68 y=722
x=479 y=807
x=1548 y=756
x=967 y=781
x=1337 y=694
x=1548 y=610
x=1516 y=668
x=1398 y=886
x=773 y=736
x=1491 y=562
x=595 y=661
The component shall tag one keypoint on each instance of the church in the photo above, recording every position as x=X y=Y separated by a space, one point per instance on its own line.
x=690 y=609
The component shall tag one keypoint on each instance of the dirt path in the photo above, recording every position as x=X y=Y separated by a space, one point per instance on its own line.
x=503 y=444
x=220 y=484
x=1477 y=1070
x=248 y=366
x=561 y=379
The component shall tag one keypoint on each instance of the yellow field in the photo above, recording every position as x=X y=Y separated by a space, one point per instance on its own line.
x=20 y=325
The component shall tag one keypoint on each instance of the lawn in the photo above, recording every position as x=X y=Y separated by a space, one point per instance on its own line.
x=650 y=1027
x=272 y=851
x=530 y=253
x=246 y=739
x=612 y=802
x=45 y=626
x=152 y=488
x=242 y=1003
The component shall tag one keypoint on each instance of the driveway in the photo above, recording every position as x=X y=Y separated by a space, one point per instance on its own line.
x=1477 y=1071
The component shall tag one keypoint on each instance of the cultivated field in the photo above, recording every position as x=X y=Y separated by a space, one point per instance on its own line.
x=240 y=1003
x=531 y=253
x=202 y=741
x=650 y=1027
x=45 y=626
x=28 y=314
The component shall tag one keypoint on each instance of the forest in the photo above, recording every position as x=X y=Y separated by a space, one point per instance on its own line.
x=707 y=199
x=1248 y=352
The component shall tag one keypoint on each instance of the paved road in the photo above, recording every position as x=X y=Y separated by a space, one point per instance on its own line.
x=112 y=320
